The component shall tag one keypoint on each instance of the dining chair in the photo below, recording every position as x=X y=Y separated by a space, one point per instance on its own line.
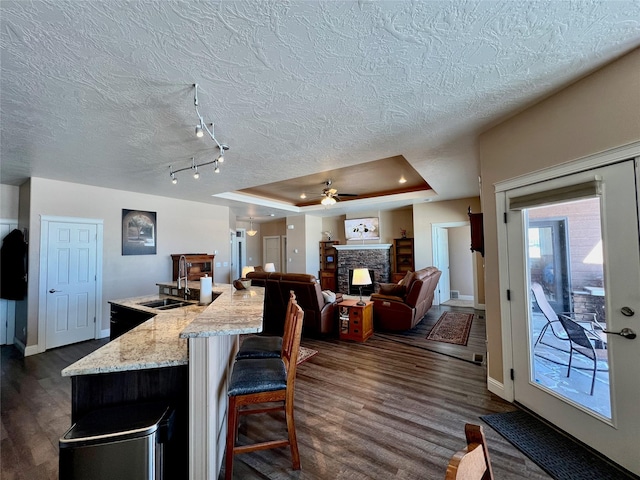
x=472 y=462
x=255 y=382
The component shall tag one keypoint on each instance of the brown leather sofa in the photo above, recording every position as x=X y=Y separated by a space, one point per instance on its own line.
x=320 y=318
x=402 y=306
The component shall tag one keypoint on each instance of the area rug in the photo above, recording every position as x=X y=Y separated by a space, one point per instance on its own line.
x=305 y=354
x=452 y=327
x=554 y=452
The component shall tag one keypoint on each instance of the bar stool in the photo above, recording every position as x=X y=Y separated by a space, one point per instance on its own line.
x=256 y=381
x=265 y=346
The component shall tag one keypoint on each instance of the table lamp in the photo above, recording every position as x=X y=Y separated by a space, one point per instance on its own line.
x=246 y=270
x=360 y=278
x=269 y=267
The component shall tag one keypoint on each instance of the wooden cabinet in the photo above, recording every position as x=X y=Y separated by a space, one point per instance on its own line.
x=328 y=265
x=403 y=259
x=124 y=319
x=356 y=321
x=198 y=264
x=328 y=280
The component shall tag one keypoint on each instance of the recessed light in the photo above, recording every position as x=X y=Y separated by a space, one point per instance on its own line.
x=303 y=195
x=272 y=214
x=402 y=180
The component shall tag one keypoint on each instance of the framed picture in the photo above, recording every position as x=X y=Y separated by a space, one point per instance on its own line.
x=139 y=233
x=362 y=229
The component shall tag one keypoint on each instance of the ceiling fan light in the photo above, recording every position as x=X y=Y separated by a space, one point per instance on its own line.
x=328 y=200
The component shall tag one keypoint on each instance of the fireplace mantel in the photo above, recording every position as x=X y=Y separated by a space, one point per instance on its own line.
x=366 y=246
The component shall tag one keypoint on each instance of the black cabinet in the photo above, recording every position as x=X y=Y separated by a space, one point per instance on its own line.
x=124 y=319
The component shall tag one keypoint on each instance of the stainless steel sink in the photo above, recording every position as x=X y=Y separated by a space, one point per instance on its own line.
x=166 y=303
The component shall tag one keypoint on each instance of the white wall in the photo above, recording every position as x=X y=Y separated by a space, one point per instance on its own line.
x=9 y=201
x=182 y=227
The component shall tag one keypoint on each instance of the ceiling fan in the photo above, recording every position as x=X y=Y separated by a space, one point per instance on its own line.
x=331 y=195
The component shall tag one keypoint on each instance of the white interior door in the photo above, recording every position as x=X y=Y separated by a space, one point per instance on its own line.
x=441 y=243
x=271 y=251
x=71 y=281
x=603 y=237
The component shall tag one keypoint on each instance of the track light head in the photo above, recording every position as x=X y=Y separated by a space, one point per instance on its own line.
x=199 y=132
x=216 y=169
x=174 y=179
x=196 y=174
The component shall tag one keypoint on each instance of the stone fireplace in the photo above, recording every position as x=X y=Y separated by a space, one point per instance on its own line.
x=376 y=257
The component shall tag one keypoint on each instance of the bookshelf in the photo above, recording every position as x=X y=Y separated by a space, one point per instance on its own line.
x=328 y=265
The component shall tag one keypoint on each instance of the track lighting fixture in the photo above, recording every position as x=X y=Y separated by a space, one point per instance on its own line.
x=194 y=167
x=203 y=127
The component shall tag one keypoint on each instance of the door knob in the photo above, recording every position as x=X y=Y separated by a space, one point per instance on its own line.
x=625 y=332
x=53 y=290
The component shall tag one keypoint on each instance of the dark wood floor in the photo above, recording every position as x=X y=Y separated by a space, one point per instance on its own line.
x=392 y=407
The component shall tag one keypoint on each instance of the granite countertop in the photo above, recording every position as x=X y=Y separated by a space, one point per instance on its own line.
x=162 y=340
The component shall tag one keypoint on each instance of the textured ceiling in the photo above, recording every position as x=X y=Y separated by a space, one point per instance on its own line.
x=100 y=92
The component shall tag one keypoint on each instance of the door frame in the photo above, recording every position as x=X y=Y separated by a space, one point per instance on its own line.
x=45 y=220
x=435 y=250
x=505 y=388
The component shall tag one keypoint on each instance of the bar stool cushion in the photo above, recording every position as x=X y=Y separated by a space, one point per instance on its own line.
x=257 y=375
x=260 y=347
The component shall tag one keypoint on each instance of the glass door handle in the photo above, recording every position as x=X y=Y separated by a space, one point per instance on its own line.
x=625 y=332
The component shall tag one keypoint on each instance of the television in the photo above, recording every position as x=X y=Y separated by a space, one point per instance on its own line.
x=362 y=229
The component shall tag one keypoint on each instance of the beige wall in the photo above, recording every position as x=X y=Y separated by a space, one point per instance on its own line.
x=427 y=213
x=9 y=200
x=598 y=113
x=460 y=264
x=182 y=227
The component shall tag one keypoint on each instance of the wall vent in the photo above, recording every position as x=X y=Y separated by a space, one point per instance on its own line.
x=455 y=293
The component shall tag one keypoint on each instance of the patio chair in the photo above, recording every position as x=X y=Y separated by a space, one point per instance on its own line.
x=553 y=321
x=581 y=341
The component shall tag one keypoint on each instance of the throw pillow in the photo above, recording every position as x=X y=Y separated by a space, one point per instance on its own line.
x=329 y=296
x=392 y=289
x=408 y=280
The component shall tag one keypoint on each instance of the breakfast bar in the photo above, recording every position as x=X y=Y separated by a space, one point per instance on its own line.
x=180 y=355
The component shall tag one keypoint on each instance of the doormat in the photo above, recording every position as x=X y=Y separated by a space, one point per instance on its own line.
x=452 y=327
x=305 y=354
x=554 y=452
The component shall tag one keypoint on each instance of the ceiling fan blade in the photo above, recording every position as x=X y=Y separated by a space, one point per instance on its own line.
x=348 y=195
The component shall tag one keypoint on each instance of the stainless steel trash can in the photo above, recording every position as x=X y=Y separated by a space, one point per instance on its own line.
x=124 y=442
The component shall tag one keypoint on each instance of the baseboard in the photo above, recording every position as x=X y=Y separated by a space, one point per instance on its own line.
x=26 y=351
x=479 y=306
x=497 y=388
x=465 y=297
x=105 y=333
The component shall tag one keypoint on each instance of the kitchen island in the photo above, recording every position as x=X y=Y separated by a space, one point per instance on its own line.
x=182 y=356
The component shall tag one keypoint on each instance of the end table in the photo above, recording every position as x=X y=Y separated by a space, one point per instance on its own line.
x=355 y=321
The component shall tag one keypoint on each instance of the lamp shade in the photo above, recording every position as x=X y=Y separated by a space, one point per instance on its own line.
x=269 y=267
x=246 y=270
x=361 y=277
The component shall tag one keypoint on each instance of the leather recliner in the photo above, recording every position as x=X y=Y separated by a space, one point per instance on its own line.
x=320 y=317
x=403 y=307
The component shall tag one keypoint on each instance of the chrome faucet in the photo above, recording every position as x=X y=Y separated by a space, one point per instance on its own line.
x=182 y=273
